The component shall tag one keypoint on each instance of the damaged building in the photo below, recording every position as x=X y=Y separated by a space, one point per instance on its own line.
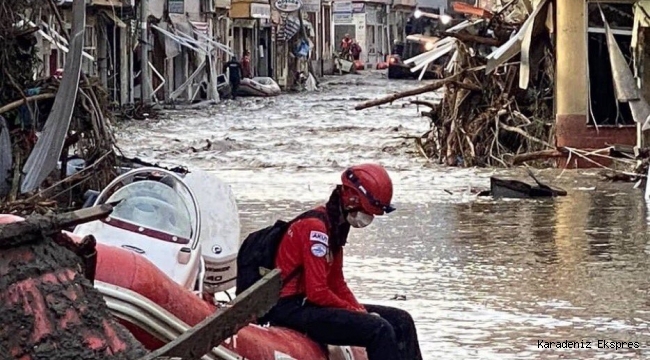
x=537 y=79
x=597 y=81
x=600 y=78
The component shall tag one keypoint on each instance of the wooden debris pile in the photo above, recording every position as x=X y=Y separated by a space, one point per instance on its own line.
x=25 y=104
x=494 y=105
x=485 y=118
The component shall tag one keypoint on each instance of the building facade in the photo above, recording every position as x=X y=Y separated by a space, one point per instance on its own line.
x=251 y=31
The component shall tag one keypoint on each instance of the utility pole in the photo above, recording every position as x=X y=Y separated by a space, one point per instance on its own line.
x=145 y=82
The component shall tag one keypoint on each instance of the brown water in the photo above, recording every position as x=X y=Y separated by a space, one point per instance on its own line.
x=483 y=278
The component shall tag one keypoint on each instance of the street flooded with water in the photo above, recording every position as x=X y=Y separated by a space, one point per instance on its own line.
x=483 y=278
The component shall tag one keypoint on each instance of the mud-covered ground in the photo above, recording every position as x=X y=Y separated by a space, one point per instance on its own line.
x=484 y=279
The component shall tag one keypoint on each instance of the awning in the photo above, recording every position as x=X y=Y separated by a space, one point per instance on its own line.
x=244 y=23
x=519 y=43
x=181 y=23
x=111 y=16
x=157 y=8
x=172 y=46
x=288 y=28
x=182 y=39
x=200 y=27
x=218 y=45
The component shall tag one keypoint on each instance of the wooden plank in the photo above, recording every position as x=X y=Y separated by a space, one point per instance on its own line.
x=18 y=233
x=212 y=331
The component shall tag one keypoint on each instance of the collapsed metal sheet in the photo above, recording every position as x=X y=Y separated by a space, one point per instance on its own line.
x=514 y=45
x=624 y=83
x=43 y=159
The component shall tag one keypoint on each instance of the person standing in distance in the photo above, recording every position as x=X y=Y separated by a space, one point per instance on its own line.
x=234 y=69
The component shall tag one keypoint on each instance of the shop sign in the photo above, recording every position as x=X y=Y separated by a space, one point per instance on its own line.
x=342 y=7
x=176 y=7
x=260 y=11
x=288 y=5
x=342 y=18
x=358 y=8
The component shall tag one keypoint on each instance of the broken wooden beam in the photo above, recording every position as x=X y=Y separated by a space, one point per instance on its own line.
x=35 y=226
x=16 y=104
x=433 y=86
x=538 y=155
x=212 y=331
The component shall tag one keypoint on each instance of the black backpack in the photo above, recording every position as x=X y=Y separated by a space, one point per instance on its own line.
x=257 y=253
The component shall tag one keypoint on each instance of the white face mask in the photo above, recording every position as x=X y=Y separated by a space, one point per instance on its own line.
x=359 y=219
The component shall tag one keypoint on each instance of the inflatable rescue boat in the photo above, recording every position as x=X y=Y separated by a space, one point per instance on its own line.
x=164 y=254
x=258 y=86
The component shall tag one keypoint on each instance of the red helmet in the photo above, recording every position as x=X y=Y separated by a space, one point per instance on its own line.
x=373 y=186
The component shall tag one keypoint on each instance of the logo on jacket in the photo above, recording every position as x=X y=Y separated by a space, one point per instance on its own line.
x=319 y=250
x=320 y=237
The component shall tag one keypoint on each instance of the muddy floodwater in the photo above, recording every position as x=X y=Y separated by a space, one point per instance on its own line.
x=483 y=278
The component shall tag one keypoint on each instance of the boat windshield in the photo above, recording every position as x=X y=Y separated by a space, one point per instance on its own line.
x=153 y=205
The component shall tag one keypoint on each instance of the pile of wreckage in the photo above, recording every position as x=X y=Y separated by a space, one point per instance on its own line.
x=44 y=121
x=498 y=92
x=491 y=107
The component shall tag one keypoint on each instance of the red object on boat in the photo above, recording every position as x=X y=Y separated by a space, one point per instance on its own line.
x=128 y=270
x=382 y=65
x=49 y=310
x=358 y=64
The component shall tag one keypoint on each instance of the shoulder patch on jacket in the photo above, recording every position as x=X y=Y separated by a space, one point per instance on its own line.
x=319 y=236
x=319 y=250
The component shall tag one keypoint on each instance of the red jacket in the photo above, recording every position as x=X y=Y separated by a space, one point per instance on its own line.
x=321 y=280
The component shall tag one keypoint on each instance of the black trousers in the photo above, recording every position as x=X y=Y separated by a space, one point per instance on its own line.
x=233 y=88
x=390 y=336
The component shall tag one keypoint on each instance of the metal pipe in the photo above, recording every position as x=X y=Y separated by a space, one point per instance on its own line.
x=135 y=308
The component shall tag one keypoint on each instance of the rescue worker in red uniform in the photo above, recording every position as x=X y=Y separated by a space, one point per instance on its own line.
x=317 y=301
x=346 y=43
